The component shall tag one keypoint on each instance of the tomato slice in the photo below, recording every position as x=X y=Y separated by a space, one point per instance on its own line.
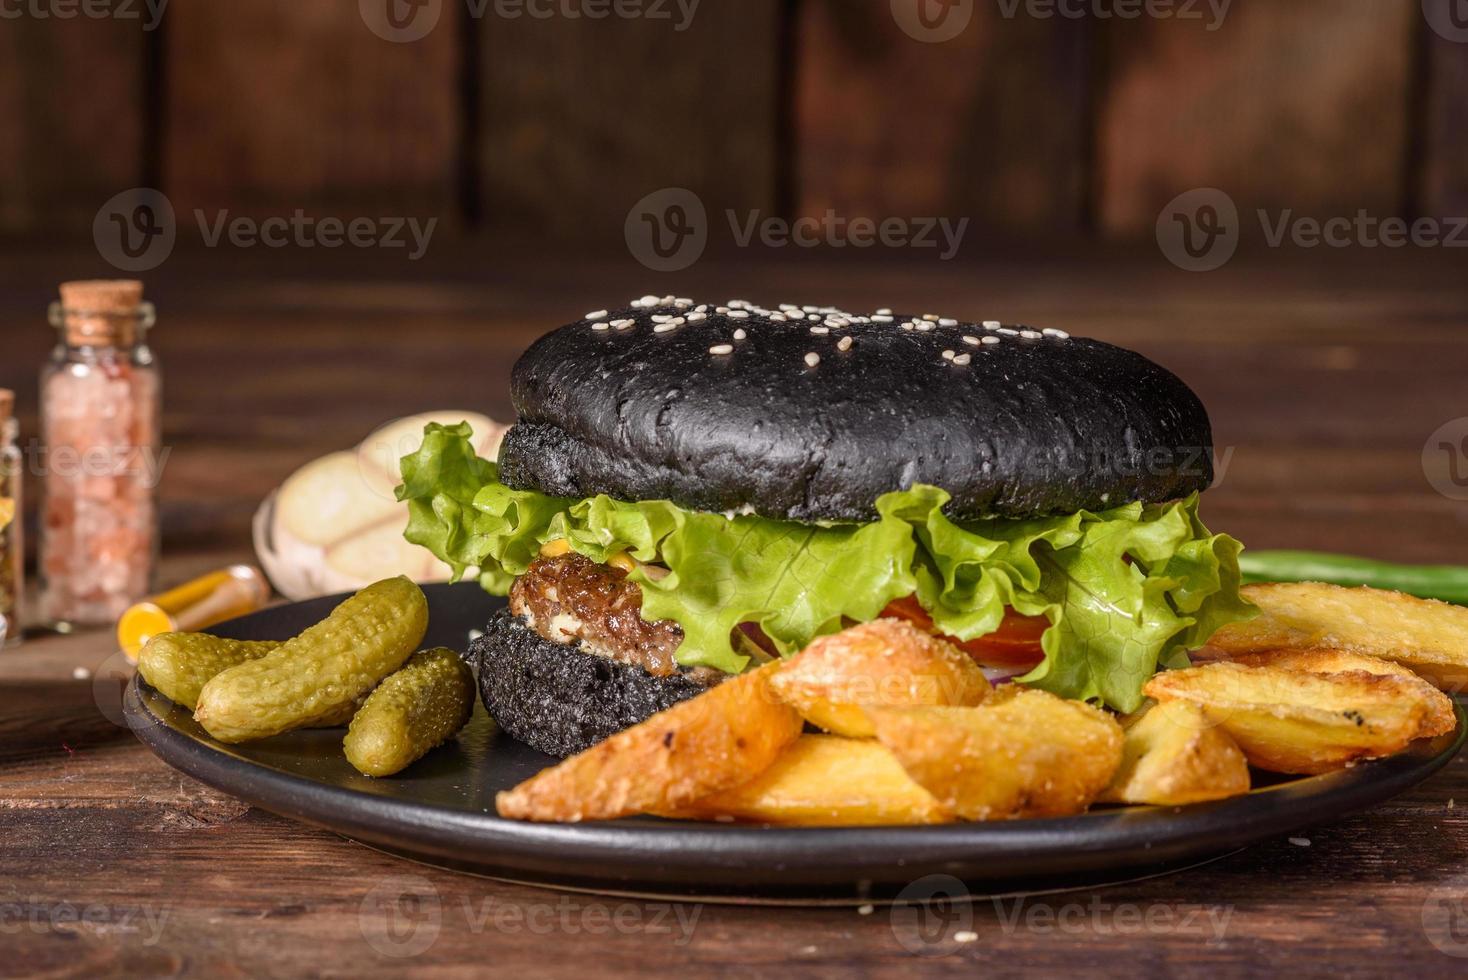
x=1014 y=645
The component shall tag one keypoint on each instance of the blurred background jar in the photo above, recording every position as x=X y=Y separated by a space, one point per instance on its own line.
x=12 y=546
x=101 y=439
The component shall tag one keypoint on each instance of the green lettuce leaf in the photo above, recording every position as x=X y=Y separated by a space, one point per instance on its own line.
x=458 y=509
x=1126 y=590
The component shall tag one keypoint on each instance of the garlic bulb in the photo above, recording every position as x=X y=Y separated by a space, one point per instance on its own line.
x=334 y=525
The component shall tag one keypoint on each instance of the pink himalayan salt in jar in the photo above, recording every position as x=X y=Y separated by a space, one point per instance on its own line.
x=100 y=429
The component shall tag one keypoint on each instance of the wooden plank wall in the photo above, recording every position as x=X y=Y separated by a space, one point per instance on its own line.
x=1030 y=125
x=72 y=119
x=580 y=119
x=989 y=124
x=1444 y=145
x=1300 y=105
x=277 y=104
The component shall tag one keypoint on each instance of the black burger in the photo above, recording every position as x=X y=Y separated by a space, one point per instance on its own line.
x=691 y=489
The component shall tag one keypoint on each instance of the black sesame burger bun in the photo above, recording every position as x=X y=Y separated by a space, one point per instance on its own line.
x=559 y=698
x=739 y=409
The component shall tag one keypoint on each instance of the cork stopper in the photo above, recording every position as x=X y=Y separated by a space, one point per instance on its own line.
x=7 y=405
x=102 y=312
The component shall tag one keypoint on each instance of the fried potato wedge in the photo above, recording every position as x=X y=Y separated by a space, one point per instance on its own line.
x=1429 y=636
x=709 y=743
x=1021 y=753
x=1440 y=715
x=1293 y=721
x=885 y=663
x=826 y=781
x=1173 y=755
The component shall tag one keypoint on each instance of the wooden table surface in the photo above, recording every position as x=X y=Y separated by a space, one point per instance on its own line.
x=1325 y=375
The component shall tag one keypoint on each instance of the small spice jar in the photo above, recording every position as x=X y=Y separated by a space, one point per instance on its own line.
x=12 y=546
x=193 y=606
x=100 y=428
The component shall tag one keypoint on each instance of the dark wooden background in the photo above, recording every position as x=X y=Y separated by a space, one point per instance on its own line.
x=1031 y=126
x=1325 y=372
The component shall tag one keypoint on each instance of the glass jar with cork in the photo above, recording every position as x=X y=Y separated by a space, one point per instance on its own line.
x=101 y=434
x=12 y=548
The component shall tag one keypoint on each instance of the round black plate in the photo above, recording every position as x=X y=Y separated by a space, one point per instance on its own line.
x=441 y=810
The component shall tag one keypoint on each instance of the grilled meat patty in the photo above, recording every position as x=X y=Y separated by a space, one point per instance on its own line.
x=572 y=661
x=571 y=598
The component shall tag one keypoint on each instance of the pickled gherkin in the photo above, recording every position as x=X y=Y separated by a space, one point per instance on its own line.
x=178 y=665
x=310 y=680
x=414 y=710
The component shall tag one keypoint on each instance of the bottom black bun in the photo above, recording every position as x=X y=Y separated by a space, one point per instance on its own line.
x=558 y=698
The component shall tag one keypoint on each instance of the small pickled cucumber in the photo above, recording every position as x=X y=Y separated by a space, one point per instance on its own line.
x=313 y=679
x=416 y=709
x=178 y=665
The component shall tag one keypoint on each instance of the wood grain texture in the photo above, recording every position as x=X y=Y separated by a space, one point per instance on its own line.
x=1445 y=142
x=178 y=878
x=1324 y=374
x=582 y=118
x=285 y=104
x=1300 y=105
x=989 y=124
x=71 y=117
